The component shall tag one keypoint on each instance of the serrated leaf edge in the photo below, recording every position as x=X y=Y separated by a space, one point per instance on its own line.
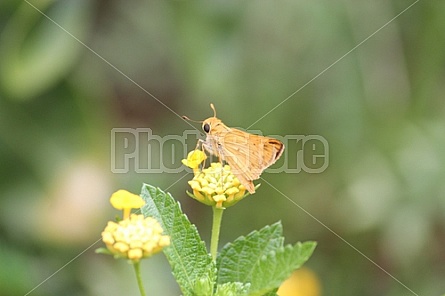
x=175 y=265
x=268 y=228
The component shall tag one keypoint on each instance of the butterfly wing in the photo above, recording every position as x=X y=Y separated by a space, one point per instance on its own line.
x=248 y=155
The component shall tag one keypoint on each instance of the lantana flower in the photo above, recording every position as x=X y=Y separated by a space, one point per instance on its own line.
x=217 y=186
x=135 y=238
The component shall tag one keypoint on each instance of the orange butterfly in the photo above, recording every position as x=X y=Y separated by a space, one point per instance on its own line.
x=248 y=155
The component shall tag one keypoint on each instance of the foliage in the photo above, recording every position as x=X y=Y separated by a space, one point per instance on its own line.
x=252 y=265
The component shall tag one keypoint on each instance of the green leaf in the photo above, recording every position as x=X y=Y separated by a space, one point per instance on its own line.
x=272 y=293
x=232 y=289
x=204 y=286
x=191 y=264
x=236 y=260
x=276 y=267
x=261 y=260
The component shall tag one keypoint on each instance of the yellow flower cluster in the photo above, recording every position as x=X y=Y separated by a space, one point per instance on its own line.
x=217 y=186
x=135 y=238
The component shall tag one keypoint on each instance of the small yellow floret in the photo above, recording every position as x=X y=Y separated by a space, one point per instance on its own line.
x=122 y=199
x=194 y=159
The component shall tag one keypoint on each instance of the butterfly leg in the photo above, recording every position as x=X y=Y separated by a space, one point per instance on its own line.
x=221 y=161
x=201 y=142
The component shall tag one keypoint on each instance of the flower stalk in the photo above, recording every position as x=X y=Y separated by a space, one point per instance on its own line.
x=216 y=226
x=137 y=270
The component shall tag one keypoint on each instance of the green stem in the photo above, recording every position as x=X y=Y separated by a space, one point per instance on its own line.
x=217 y=217
x=137 y=270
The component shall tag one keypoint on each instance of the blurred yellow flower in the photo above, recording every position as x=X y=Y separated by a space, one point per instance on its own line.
x=124 y=200
x=303 y=282
x=194 y=159
x=217 y=186
x=135 y=238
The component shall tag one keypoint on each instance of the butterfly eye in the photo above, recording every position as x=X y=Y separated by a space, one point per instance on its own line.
x=206 y=127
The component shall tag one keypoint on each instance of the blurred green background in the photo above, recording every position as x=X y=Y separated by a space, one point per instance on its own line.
x=381 y=109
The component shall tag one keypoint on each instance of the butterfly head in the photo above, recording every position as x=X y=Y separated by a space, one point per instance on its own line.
x=208 y=124
x=211 y=122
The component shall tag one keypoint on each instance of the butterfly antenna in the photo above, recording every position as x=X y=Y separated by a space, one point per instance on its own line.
x=213 y=108
x=186 y=118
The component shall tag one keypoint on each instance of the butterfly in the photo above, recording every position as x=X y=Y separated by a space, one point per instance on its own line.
x=248 y=155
